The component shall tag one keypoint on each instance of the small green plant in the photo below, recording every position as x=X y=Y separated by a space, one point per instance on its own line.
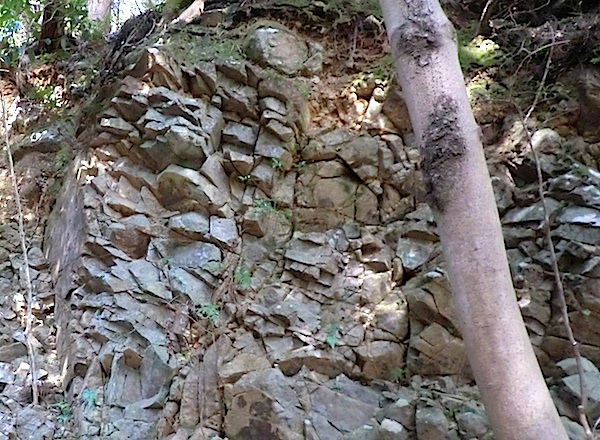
x=64 y=411
x=263 y=206
x=332 y=336
x=304 y=90
x=214 y=267
x=276 y=164
x=336 y=385
x=478 y=51
x=210 y=311
x=301 y=166
x=88 y=397
x=242 y=276
x=62 y=158
x=245 y=178
x=44 y=95
x=397 y=374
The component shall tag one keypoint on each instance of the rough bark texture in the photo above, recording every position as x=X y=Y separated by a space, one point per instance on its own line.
x=460 y=192
x=52 y=27
x=99 y=10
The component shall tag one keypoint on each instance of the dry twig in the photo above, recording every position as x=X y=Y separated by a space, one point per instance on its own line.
x=555 y=269
x=29 y=318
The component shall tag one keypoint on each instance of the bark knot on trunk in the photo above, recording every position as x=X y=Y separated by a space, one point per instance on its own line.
x=442 y=148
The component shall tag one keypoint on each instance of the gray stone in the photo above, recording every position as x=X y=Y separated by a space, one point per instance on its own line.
x=224 y=232
x=47 y=140
x=392 y=430
x=574 y=430
x=335 y=413
x=238 y=98
x=187 y=190
x=240 y=134
x=254 y=407
x=117 y=126
x=190 y=224
x=195 y=255
x=184 y=283
x=277 y=47
x=242 y=364
x=10 y=352
x=148 y=278
x=569 y=367
x=431 y=424
x=187 y=145
x=413 y=252
x=132 y=108
x=271 y=147
x=580 y=215
x=571 y=391
x=435 y=351
x=379 y=358
x=473 y=425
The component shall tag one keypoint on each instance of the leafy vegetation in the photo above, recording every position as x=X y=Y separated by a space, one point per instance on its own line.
x=276 y=164
x=243 y=276
x=210 y=311
x=477 y=51
x=64 y=411
x=88 y=397
x=397 y=374
x=332 y=336
x=20 y=24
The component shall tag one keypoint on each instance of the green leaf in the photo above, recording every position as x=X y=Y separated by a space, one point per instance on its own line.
x=332 y=335
x=88 y=397
x=210 y=311
x=242 y=276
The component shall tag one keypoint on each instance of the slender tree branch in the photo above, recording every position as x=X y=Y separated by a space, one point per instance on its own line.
x=555 y=269
x=29 y=318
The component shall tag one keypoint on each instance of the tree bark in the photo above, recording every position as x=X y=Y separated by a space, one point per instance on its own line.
x=99 y=10
x=52 y=27
x=460 y=193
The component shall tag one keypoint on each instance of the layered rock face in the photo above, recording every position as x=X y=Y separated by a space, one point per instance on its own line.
x=220 y=268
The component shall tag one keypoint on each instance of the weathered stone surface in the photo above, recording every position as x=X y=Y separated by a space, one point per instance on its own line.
x=148 y=278
x=10 y=352
x=184 y=283
x=474 y=425
x=190 y=224
x=242 y=364
x=131 y=235
x=195 y=255
x=414 y=253
x=238 y=98
x=186 y=190
x=379 y=358
x=224 y=232
x=240 y=134
x=47 y=140
x=277 y=47
x=254 y=408
x=431 y=424
x=434 y=351
x=430 y=300
x=392 y=430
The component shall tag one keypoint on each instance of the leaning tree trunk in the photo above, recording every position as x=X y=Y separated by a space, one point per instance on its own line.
x=52 y=27
x=99 y=11
x=460 y=193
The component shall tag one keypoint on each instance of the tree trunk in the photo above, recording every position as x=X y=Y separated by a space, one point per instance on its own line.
x=460 y=193
x=99 y=10
x=52 y=27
